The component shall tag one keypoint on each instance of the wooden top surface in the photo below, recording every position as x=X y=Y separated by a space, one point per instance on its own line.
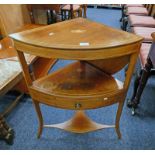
x=78 y=34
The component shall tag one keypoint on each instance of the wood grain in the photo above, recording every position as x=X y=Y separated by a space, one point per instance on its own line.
x=83 y=84
x=69 y=35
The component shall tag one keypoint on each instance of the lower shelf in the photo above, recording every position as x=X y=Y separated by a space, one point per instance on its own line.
x=80 y=123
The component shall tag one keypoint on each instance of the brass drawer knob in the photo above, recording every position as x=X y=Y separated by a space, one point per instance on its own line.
x=78 y=105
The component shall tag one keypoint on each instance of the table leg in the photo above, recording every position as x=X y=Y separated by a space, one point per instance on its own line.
x=119 y=111
x=40 y=118
x=6 y=133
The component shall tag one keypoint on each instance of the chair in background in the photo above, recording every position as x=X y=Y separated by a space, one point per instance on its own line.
x=123 y=19
x=58 y=12
x=144 y=10
x=138 y=10
x=9 y=23
x=143 y=21
x=148 y=65
x=10 y=75
x=143 y=26
x=21 y=23
x=145 y=32
x=134 y=5
x=52 y=12
x=15 y=18
x=84 y=10
x=70 y=11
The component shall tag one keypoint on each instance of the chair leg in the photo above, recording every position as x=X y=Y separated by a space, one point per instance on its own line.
x=48 y=17
x=124 y=23
x=136 y=84
x=65 y=15
x=85 y=12
x=62 y=15
x=142 y=82
x=118 y=115
x=123 y=14
x=80 y=13
x=40 y=118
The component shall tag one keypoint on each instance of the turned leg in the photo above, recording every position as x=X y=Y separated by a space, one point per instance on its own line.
x=5 y=131
x=142 y=82
x=118 y=115
x=40 y=118
x=6 y=126
x=136 y=84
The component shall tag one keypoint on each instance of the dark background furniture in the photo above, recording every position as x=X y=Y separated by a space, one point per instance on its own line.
x=145 y=73
x=139 y=19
